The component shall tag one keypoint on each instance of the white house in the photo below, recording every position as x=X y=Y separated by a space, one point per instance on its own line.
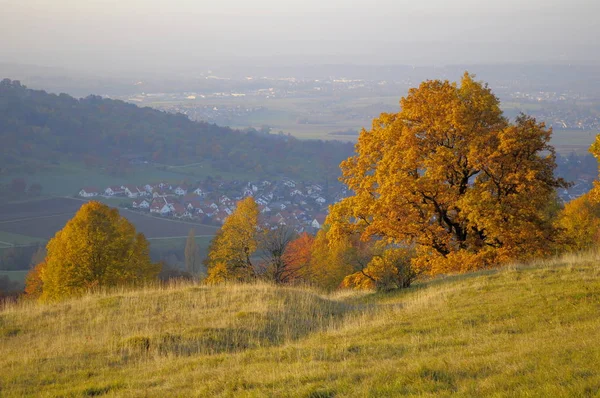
x=114 y=190
x=318 y=221
x=320 y=200
x=132 y=191
x=88 y=192
x=199 y=192
x=161 y=206
x=181 y=190
x=262 y=201
x=141 y=204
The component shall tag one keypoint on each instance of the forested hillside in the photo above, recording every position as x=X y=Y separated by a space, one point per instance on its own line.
x=38 y=128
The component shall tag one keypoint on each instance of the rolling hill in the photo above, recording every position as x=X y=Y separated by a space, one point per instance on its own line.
x=518 y=331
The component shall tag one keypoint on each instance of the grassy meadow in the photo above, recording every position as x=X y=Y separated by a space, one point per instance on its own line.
x=524 y=330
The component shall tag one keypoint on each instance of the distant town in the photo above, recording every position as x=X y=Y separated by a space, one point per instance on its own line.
x=301 y=206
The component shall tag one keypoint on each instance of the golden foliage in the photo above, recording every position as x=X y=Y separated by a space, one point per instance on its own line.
x=390 y=270
x=580 y=223
x=451 y=175
x=96 y=248
x=329 y=264
x=230 y=254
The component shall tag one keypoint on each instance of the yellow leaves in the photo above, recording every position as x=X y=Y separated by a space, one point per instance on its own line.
x=97 y=247
x=328 y=265
x=580 y=223
x=232 y=249
x=392 y=269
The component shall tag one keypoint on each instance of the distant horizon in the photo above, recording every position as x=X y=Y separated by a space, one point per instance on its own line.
x=233 y=65
x=154 y=36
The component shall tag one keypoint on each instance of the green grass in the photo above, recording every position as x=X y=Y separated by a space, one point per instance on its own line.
x=201 y=170
x=8 y=239
x=69 y=177
x=519 y=331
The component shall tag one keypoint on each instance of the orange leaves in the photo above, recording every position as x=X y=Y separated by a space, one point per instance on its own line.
x=297 y=256
x=33 y=281
x=451 y=175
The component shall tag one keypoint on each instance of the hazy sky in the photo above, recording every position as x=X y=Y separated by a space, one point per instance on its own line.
x=155 y=34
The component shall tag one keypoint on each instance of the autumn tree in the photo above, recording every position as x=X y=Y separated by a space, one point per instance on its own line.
x=96 y=248
x=193 y=262
x=272 y=244
x=580 y=219
x=595 y=150
x=451 y=176
x=231 y=251
x=580 y=223
x=33 y=282
x=297 y=258
x=329 y=263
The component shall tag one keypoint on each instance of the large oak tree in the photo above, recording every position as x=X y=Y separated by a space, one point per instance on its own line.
x=453 y=177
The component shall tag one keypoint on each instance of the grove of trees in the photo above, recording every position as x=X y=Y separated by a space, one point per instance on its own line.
x=446 y=185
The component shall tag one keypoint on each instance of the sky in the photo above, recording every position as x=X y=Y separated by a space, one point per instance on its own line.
x=179 y=34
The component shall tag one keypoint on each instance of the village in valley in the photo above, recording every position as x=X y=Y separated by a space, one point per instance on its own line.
x=301 y=206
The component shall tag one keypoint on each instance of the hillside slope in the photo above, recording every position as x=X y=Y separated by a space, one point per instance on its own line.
x=38 y=129
x=518 y=331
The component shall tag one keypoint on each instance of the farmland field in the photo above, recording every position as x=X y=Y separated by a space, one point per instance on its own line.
x=40 y=220
x=578 y=141
x=68 y=177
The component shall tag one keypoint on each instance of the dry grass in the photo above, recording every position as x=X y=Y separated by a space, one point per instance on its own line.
x=524 y=330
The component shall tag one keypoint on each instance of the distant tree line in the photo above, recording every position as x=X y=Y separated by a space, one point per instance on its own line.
x=37 y=128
